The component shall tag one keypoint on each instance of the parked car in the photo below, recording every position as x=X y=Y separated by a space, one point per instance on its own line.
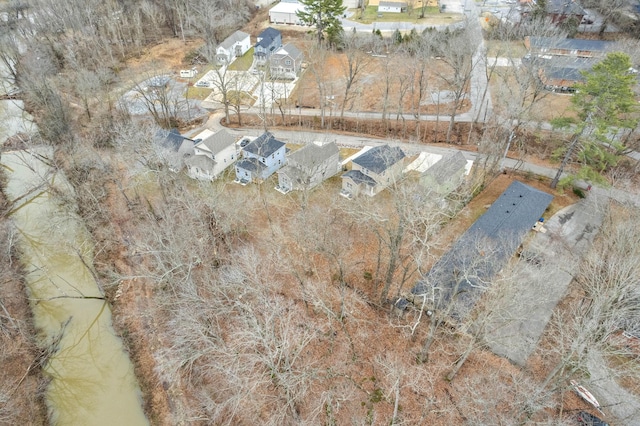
x=586 y=21
x=586 y=419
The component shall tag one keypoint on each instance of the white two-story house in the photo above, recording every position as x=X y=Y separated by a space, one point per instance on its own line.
x=213 y=153
x=234 y=46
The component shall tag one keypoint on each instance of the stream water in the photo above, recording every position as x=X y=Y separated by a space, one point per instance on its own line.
x=91 y=377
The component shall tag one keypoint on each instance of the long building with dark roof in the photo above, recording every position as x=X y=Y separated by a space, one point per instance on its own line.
x=460 y=277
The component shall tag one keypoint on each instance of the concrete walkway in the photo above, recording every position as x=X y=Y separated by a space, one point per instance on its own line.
x=542 y=281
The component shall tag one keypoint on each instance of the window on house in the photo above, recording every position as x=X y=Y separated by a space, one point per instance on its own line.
x=287 y=62
x=273 y=155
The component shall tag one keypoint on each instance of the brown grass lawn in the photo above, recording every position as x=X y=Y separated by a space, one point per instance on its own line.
x=378 y=76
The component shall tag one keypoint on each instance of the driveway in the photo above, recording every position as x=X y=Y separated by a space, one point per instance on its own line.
x=554 y=259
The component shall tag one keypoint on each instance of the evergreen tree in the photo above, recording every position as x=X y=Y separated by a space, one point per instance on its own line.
x=324 y=14
x=604 y=103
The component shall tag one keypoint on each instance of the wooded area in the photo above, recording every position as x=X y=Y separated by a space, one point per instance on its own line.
x=239 y=305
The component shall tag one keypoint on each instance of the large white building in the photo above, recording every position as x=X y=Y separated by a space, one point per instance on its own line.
x=285 y=12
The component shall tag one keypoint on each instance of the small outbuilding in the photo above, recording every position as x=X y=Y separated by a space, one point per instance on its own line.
x=392 y=7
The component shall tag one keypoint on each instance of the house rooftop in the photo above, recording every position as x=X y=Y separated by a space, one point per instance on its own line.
x=289 y=49
x=170 y=139
x=466 y=270
x=267 y=36
x=379 y=158
x=200 y=161
x=447 y=167
x=216 y=142
x=265 y=145
x=358 y=177
x=571 y=44
x=313 y=154
x=250 y=164
x=233 y=38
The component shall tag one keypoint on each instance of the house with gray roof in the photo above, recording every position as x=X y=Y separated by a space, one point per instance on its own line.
x=578 y=48
x=445 y=175
x=173 y=148
x=560 y=62
x=269 y=41
x=458 y=280
x=308 y=167
x=260 y=159
x=234 y=46
x=286 y=62
x=373 y=171
x=213 y=153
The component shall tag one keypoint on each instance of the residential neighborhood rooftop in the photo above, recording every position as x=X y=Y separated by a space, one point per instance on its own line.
x=380 y=158
x=216 y=142
x=314 y=154
x=571 y=44
x=359 y=177
x=289 y=49
x=447 y=167
x=233 y=38
x=265 y=145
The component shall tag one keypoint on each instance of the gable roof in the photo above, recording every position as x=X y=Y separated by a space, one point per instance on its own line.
x=290 y=50
x=267 y=36
x=233 y=38
x=380 y=158
x=200 y=161
x=216 y=142
x=250 y=164
x=312 y=154
x=571 y=44
x=467 y=268
x=358 y=177
x=447 y=167
x=265 y=145
x=170 y=139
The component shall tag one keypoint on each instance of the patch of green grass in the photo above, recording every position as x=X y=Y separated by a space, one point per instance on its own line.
x=200 y=93
x=242 y=63
x=371 y=15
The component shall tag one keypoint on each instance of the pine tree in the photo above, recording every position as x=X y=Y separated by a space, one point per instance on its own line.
x=603 y=103
x=324 y=14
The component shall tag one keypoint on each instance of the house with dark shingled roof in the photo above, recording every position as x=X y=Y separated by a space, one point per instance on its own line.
x=260 y=159
x=373 y=171
x=269 y=41
x=458 y=280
